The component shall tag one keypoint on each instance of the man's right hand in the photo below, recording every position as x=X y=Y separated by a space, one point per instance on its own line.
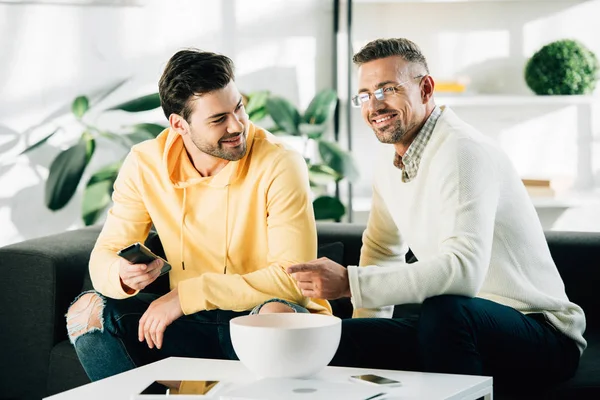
x=138 y=276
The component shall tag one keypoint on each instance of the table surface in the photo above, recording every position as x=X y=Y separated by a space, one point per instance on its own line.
x=415 y=385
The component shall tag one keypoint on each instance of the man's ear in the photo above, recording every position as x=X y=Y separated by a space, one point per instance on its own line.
x=178 y=124
x=427 y=87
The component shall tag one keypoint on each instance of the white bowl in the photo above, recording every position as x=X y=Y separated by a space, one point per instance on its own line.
x=285 y=345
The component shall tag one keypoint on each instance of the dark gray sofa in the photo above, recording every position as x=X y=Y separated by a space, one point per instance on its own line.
x=40 y=277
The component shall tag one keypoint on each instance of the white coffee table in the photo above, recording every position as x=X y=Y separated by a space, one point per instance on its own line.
x=415 y=385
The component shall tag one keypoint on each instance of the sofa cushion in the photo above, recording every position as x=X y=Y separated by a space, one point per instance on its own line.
x=65 y=371
x=585 y=383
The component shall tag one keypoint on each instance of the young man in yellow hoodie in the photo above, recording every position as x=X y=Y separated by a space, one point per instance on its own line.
x=232 y=208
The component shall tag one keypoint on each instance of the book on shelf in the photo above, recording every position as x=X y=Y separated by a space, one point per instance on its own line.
x=539 y=187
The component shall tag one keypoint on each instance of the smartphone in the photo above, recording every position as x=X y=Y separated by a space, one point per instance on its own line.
x=184 y=389
x=375 y=380
x=137 y=253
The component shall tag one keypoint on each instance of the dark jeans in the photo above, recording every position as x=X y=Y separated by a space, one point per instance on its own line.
x=116 y=348
x=456 y=334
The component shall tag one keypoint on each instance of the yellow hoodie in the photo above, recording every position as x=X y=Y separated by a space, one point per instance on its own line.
x=228 y=237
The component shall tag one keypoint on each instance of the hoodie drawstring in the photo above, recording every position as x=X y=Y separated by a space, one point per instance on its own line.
x=181 y=230
x=226 y=229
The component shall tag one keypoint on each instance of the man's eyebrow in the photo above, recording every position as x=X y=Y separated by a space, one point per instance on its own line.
x=219 y=115
x=379 y=85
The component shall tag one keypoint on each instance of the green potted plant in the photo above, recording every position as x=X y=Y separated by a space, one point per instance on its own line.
x=68 y=167
x=563 y=67
x=331 y=164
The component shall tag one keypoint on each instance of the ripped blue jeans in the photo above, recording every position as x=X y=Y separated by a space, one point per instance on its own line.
x=114 y=347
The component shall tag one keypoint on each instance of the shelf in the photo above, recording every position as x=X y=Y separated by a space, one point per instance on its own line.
x=575 y=199
x=512 y=100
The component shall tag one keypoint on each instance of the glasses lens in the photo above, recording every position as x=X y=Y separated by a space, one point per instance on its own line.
x=356 y=102
x=378 y=94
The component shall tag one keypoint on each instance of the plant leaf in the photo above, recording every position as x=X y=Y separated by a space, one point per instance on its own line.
x=276 y=130
x=39 y=143
x=321 y=107
x=284 y=114
x=258 y=114
x=137 y=137
x=144 y=103
x=339 y=160
x=327 y=207
x=153 y=130
x=90 y=145
x=256 y=101
x=109 y=171
x=321 y=174
x=98 y=191
x=312 y=131
x=66 y=171
x=80 y=106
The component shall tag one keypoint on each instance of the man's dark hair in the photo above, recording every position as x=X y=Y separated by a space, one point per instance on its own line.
x=382 y=48
x=189 y=73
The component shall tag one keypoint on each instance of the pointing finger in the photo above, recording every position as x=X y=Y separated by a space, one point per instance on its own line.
x=301 y=268
x=304 y=276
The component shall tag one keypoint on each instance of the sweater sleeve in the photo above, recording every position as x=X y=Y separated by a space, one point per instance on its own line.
x=468 y=184
x=127 y=222
x=292 y=239
x=383 y=246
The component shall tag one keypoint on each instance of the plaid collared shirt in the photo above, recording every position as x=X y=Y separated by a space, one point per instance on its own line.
x=409 y=163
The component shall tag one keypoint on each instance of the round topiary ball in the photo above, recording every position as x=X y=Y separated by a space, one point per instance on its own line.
x=562 y=67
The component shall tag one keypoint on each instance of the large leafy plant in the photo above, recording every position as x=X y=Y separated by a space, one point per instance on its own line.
x=67 y=169
x=331 y=164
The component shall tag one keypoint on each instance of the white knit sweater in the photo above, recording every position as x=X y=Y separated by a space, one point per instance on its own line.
x=469 y=221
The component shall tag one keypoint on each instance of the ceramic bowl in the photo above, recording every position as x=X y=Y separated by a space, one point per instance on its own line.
x=290 y=345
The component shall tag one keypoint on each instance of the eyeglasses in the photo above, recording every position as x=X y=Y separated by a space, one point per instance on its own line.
x=359 y=99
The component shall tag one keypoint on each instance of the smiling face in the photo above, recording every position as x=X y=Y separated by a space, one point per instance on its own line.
x=403 y=110
x=218 y=124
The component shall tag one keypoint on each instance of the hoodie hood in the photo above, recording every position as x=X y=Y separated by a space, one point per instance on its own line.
x=183 y=174
x=181 y=170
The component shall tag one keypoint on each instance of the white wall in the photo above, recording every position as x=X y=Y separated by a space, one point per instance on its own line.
x=53 y=53
x=50 y=54
x=489 y=42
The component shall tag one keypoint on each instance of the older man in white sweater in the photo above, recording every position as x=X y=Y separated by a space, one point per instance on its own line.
x=492 y=300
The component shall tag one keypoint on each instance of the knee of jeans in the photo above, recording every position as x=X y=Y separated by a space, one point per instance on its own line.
x=275 y=307
x=440 y=312
x=85 y=315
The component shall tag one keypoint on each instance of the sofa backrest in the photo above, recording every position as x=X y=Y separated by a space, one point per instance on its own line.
x=577 y=257
x=576 y=254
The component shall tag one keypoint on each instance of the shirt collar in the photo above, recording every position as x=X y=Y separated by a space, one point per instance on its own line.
x=409 y=163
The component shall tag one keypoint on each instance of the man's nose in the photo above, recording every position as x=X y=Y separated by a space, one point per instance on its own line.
x=235 y=125
x=373 y=105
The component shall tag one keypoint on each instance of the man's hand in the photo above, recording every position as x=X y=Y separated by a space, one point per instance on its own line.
x=161 y=313
x=138 y=276
x=321 y=279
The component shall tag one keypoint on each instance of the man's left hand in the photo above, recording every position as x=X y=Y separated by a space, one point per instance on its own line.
x=321 y=279
x=160 y=314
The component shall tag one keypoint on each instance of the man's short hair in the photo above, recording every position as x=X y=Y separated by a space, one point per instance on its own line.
x=382 y=48
x=189 y=73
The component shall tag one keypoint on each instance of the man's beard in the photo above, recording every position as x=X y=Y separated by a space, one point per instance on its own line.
x=395 y=133
x=220 y=151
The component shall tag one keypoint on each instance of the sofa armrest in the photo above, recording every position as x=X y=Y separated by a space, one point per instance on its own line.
x=38 y=280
